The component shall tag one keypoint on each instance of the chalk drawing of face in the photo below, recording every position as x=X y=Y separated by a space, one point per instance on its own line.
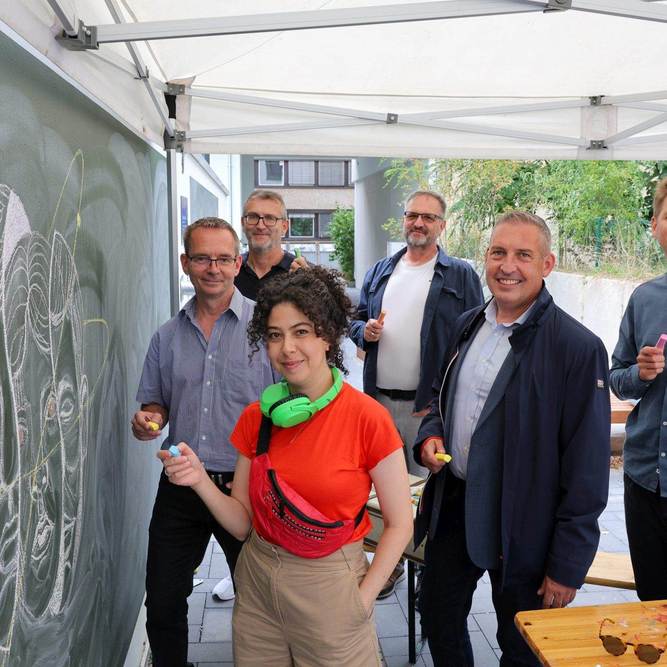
x=43 y=419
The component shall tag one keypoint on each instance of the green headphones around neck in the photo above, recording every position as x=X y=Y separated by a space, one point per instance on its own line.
x=287 y=409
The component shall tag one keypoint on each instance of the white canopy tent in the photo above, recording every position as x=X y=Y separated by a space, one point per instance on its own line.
x=581 y=79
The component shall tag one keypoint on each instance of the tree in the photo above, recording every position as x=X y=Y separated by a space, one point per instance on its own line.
x=600 y=209
x=342 y=234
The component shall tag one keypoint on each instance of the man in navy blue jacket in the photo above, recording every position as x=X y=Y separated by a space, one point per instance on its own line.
x=407 y=307
x=523 y=410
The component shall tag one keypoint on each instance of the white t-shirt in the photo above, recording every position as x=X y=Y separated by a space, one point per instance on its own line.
x=399 y=351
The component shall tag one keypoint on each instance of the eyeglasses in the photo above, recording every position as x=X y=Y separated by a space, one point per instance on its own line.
x=412 y=216
x=253 y=219
x=616 y=646
x=204 y=261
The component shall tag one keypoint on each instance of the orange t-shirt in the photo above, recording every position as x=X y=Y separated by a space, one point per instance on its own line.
x=327 y=459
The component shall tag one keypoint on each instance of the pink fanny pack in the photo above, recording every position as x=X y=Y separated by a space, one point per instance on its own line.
x=285 y=518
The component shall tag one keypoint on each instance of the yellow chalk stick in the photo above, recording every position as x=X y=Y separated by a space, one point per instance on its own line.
x=383 y=314
x=153 y=426
x=443 y=457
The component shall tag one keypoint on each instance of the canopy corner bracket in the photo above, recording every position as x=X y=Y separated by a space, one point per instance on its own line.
x=175 y=88
x=596 y=100
x=392 y=119
x=597 y=145
x=85 y=38
x=558 y=5
x=176 y=142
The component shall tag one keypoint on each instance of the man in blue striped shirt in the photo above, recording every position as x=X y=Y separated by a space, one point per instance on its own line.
x=198 y=376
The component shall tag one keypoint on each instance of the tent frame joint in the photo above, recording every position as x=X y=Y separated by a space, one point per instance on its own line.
x=597 y=145
x=558 y=5
x=392 y=119
x=175 y=89
x=596 y=100
x=84 y=40
x=176 y=142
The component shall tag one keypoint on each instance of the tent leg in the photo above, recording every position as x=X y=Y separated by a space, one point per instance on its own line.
x=173 y=228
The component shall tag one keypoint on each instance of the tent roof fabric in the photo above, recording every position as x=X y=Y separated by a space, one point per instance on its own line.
x=581 y=83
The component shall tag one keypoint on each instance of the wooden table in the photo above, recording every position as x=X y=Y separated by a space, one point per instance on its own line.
x=569 y=637
x=620 y=410
x=611 y=569
x=412 y=555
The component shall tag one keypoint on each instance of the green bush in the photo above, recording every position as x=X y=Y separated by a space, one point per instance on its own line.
x=342 y=234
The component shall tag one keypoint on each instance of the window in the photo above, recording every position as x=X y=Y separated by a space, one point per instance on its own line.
x=302 y=224
x=271 y=172
x=301 y=172
x=324 y=220
x=331 y=173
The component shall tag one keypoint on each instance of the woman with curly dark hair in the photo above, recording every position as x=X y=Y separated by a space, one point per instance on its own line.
x=308 y=453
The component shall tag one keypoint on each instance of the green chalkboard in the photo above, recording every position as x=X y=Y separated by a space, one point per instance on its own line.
x=83 y=264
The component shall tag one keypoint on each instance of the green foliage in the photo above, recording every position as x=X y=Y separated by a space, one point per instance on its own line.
x=394 y=229
x=599 y=210
x=342 y=234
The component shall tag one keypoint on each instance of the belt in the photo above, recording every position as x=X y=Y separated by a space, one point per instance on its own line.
x=399 y=394
x=220 y=478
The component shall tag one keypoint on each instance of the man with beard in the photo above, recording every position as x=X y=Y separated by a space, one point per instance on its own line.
x=264 y=223
x=407 y=307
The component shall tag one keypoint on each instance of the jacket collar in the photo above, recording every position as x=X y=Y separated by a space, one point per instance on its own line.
x=541 y=310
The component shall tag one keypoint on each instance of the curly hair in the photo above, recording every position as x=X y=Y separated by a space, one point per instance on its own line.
x=319 y=294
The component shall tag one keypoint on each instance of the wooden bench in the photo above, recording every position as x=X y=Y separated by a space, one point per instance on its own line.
x=611 y=569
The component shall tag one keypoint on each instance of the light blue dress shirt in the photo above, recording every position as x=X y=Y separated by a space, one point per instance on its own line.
x=485 y=356
x=205 y=385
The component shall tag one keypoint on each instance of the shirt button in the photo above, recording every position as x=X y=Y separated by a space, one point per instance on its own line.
x=664 y=423
x=203 y=437
x=205 y=409
x=663 y=455
x=210 y=356
x=208 y=383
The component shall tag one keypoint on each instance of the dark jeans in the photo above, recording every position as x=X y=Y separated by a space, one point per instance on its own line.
x=179 y=533
x=646 y=523
x=450 y=579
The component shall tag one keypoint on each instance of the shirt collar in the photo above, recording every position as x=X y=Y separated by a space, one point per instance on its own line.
x=491 y=312
x=284 y=263
x=235 y=305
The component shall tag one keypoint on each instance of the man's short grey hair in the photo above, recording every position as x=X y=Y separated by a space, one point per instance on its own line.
x=428 y=193
x=265 y=195
x=525 y=218
x=210 y=223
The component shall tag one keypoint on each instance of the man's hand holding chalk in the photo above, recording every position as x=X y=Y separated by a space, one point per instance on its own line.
x=651 y=360
x=373 y=328
x=146 y=425
x=299 y=262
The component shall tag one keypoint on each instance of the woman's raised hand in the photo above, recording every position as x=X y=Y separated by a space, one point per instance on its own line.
x=184 y=470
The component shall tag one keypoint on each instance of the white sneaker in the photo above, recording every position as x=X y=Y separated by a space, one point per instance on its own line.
x=224 y=590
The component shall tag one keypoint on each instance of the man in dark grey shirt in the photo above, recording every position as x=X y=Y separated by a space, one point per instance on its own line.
x=637 y=369
x=198 y=376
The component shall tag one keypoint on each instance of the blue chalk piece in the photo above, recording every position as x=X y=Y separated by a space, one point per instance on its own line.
x=174 y=451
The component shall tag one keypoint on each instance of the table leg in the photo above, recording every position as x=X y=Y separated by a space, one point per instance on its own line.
x=412 y=650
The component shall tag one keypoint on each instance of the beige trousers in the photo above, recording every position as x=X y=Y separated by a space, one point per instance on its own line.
x=301 y=612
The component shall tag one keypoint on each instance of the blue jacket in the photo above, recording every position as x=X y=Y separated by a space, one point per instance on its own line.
x=454 y=289
x=555 y=446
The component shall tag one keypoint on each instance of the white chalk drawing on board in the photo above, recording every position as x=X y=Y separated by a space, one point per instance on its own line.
x=43 y=417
